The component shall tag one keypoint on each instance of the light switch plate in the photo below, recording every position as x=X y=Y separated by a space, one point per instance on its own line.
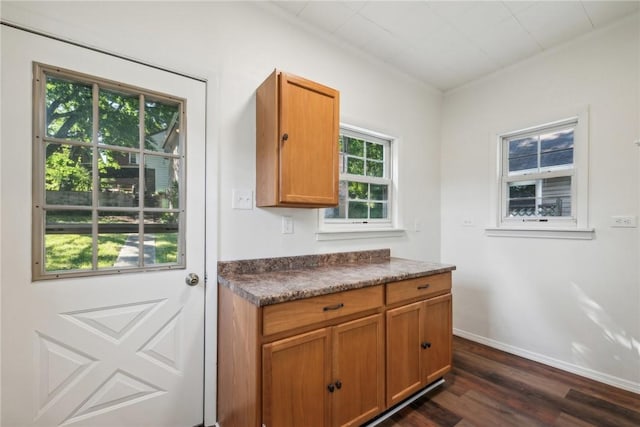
x=241 y=199
x=287 y=225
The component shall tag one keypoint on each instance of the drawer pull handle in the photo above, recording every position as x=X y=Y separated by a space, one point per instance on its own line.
x=333 y=307
x=423 y=287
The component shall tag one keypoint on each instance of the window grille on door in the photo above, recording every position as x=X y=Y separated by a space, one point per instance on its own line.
x=109 y=168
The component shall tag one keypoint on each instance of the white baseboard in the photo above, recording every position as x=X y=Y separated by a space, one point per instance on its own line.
x=569 y=367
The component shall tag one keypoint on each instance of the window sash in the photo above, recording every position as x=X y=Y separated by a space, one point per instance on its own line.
x=346 y=178
x=537 y=174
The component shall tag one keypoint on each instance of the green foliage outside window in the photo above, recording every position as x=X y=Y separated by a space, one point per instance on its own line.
x=364 y=191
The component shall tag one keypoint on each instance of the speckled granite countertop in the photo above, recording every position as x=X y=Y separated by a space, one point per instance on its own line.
x=274 y=280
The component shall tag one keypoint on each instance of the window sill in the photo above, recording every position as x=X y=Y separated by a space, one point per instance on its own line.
x=371 y=233
x=542 y=233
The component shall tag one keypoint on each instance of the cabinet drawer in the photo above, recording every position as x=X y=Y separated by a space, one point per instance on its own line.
x=424 y=287
x=294 y=314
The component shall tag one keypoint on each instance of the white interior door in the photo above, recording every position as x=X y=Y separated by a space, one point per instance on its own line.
x=109 y=350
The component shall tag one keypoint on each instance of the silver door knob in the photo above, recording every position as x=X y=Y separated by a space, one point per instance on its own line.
x=192 y=279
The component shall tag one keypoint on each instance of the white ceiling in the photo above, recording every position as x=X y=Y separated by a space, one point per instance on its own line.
x=449 y=43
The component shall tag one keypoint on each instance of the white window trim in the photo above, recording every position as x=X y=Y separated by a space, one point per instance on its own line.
x=328 y=230
x=576 y=227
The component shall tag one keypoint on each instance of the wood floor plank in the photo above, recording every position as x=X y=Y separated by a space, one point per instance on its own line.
x=490 y=388
x=565 y=420
x=605 y=406
x=507 y=412
x=547 y=383
x=517 y=401
x=439 y=415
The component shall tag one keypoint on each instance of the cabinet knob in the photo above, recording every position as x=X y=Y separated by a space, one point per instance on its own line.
x=285 y=136
x=338 y=385
x=425 y=345
x=331 y=388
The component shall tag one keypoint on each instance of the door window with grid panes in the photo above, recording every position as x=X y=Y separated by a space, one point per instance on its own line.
x=365 y=180
x=109 y=176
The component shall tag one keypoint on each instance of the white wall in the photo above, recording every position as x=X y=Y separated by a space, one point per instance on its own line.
x=571 y=303
x=236 y=46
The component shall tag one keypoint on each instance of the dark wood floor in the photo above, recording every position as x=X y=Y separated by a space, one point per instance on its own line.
x=488 y=387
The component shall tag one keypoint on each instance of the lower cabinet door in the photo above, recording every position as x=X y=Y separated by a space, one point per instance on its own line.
x=404 y=351
x=438 y=334
x=295 y=376
x=358 y=370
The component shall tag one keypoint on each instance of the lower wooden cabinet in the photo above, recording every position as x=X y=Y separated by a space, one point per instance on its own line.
x=334 y=360
x=418 y=346
x=329 y=377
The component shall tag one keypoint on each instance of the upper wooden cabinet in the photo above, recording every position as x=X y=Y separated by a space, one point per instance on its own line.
x=297 y=129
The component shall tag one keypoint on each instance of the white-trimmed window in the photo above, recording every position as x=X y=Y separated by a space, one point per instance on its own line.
x=366 y=183
x=537 y=174
x=542 y=176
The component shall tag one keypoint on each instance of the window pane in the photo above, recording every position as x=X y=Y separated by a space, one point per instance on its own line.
x=161 y=176
x=375 y=168
x=119 y=119
x=68 y=179
x=556 y=196
x=161 y=126
x=358 y=210
x=118 y=240
x=355 y=166
x=522 y=199
x=340 y=210
x=523 y=154
x=520 y=190
x=379 y=192
x=358 y=190
x=67 y=241
x=378 y=210
x=523 y=163
x=68 y=110
x=556 y=148
x=355 y=147
x=375 y=151
x=119 y=179
x=161 y=232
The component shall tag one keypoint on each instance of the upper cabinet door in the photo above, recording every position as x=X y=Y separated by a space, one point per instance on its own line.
x=309 y=115
x=297 y=124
